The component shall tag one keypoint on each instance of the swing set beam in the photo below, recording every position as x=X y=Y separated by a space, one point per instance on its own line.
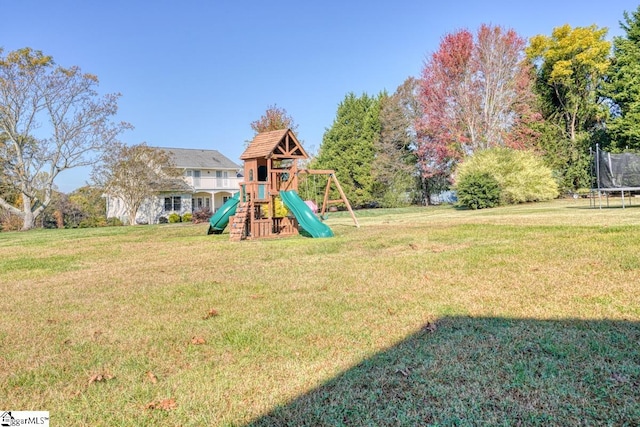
x=326 y=202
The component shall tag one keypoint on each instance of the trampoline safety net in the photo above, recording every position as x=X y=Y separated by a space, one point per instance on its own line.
x=617 y=170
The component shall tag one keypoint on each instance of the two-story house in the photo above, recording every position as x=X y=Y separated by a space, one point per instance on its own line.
x=209 y=180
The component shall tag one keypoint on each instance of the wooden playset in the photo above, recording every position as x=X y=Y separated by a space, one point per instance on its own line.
x=271 y=167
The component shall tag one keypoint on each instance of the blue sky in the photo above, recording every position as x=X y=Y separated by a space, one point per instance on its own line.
x=195 y=73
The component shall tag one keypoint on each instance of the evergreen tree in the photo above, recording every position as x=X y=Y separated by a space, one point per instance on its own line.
x=348 y=146
x=623 y=85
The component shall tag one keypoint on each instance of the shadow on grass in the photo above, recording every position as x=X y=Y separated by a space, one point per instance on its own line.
x=485 y=371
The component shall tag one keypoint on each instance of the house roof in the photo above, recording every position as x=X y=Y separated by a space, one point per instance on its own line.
x=178 y=185
x=277 y=143
x=200 y=159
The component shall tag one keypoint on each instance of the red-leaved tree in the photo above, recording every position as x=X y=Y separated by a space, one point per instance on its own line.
x=442 y=97
x=474 y=92
x=274 y=118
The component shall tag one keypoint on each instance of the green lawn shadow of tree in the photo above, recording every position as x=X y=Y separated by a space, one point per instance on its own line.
x=485 y=371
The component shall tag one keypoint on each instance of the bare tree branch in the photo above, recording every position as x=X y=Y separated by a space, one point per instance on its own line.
x=52 y=120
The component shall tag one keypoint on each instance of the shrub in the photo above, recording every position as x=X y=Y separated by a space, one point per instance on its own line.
x=114 y=222
x=521 y=175
x=10 y=222
x=187 y=217
x=280 y=208
x=163 y=220
x=201 y=215
x=478 y=190
x=174 y=218
x=93 y=221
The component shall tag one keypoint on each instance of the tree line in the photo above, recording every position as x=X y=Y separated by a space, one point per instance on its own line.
x=553 y=95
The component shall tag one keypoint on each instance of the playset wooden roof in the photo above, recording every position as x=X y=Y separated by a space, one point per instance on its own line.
x=277 y=144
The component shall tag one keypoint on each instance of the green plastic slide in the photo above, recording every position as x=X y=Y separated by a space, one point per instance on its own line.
x=220 y=219
x=310 y=224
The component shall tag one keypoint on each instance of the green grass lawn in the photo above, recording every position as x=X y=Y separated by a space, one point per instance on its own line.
x=522 y=315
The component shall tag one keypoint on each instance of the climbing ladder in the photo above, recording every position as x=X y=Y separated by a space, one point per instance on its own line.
x=238 y=230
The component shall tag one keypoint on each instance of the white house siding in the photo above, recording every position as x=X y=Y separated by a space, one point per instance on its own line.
x=211 y=200
x=115 y=208
x=207 y=173
x=151 y=210
x=209 y=183
x=220 y=197
x=216 y=188
x=208 y=180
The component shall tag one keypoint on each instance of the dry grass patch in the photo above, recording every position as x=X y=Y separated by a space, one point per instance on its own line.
x=535 y=307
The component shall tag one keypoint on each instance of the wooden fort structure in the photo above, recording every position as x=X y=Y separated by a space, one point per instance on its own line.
x=270 y=166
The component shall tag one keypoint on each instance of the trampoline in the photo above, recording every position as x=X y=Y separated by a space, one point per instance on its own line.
x=615 y=173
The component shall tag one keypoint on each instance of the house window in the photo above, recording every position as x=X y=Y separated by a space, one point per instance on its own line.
x=222 y=178
x=200 y=203
x=194 y=175
x=173 y=203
